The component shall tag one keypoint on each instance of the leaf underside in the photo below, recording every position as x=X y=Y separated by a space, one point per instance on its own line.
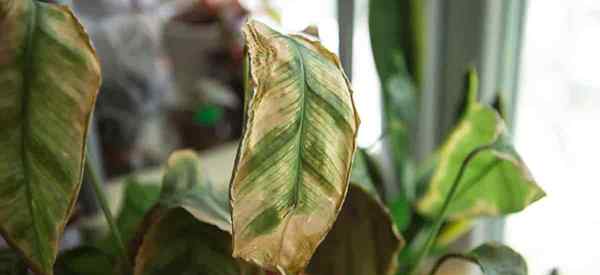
x=49 y=77
x=294 y=159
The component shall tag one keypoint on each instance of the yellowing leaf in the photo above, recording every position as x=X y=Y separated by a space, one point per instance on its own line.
x=293 y=164
x=495 y=180
x=49 y=78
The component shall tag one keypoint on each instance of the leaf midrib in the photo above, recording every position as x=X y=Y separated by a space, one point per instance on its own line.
x=296 y=189
x=28 y=70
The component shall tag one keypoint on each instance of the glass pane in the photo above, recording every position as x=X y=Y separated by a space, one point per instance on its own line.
x=557 y=132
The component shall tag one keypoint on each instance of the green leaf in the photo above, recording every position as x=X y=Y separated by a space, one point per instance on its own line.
x=493 y=259
x=362 y=173
x=49 y=76
x=11 y=263
x=364 y=239
x=188 y=231
x=293 y=165
x=84 y=261
x=397 y=29
x=138 y=200
x=177 y=243
x=495 y=180
x=397 y=33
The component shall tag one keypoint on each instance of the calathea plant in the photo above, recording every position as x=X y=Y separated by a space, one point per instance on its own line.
x=301 y=199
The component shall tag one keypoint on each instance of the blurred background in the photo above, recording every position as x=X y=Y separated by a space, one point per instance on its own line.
x=172 y=79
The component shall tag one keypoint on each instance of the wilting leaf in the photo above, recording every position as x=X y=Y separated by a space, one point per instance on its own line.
x=495 y=180
x=364 y=239
x=493 y=259
x=49 y=77
x=188 y=231
x=84 y=261
x=293 y=164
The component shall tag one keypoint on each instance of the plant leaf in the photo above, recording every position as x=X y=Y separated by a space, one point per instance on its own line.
x=396 y=29
x=495 y=181
x=188 y=231
x=84 y=261
x=364 y=239
x=493 y=259
x=11 y=263
x=293 y=165
x=138 y=199
x=49 y=76
x=177 y=243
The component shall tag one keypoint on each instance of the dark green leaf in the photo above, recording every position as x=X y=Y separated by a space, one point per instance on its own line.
x=11 y=263
x=84 y=261
x=49 y=76
x=364 y=239
x=189 y=230
x=493 y=259
x=397 y=31
x=138 y=199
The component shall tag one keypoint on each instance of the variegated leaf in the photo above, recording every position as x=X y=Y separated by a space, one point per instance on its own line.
x=49 y=78
x=495 y=180
x=293 y=164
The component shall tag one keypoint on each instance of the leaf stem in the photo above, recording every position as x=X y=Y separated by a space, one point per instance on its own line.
x=101 y=197
x=435 y=229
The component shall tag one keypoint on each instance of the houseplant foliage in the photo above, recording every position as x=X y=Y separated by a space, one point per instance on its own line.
x=49 y=77
x=300 y=116
x=301 y=200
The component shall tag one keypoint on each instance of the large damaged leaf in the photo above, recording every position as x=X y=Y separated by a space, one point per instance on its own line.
x=188 y=231
x=49 y=78
x=495 y=181
x=293 y=165
x=364 y=239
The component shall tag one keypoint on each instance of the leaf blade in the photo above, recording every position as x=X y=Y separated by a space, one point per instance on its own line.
x=296 y=151
x=493 y=259
x=364 y=238
x=188 y=231
x=496 y=181
x=50 y=77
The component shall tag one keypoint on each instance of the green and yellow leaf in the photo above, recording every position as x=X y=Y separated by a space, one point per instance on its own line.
x=364 y=239
x=49 y=78
x=495 y=180
x=492 y=259
x=189 y=230
x=293 y=165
